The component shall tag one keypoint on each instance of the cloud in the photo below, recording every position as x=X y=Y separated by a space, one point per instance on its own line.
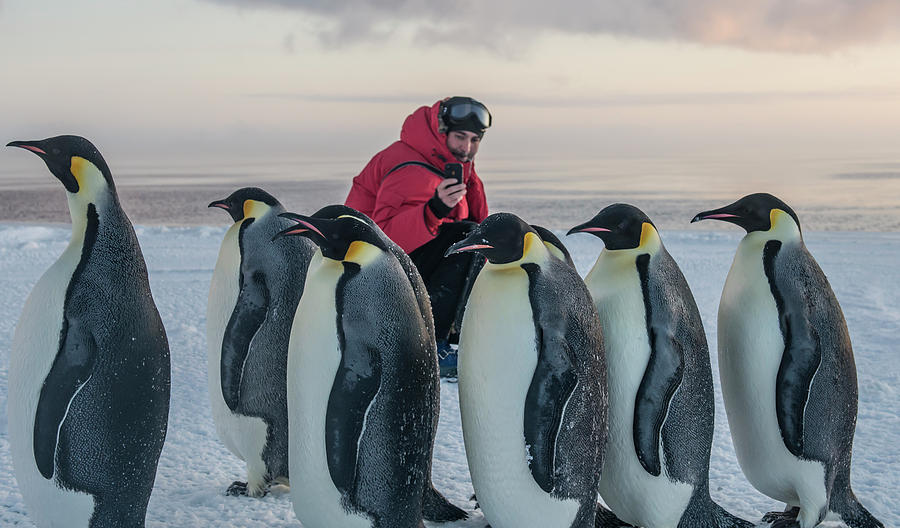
x=288 y=44
x=508 y=25
x=613 y=100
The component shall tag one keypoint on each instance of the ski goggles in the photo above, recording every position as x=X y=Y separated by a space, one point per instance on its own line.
x=457 y=113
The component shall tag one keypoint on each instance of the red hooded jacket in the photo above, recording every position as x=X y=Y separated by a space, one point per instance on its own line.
x=397 y=202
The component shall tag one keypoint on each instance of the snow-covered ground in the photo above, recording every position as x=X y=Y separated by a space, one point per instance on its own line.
x=195 y=468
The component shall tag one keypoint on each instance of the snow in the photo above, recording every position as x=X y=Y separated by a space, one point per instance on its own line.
x=195 y=468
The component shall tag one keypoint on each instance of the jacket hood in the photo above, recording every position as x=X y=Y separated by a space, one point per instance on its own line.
x=423 y=132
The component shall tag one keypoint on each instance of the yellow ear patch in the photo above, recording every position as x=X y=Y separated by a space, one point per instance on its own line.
x=87 y=175
x=254 y=209
x=783 y=225
x=361 y=253
x=649 y=236
x=775 y=216
x=79 y=167
x=531 y=243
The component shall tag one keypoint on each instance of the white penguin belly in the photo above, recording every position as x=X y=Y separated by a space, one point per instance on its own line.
x=633 y=494
x=244 y=436
x=35 y=346
x=496 y=364
x=750 y=351
x=313 y=360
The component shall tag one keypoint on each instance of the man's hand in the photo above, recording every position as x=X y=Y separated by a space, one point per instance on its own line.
x=450 y=192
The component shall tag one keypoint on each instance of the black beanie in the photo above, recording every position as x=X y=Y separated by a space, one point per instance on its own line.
x=470 y=124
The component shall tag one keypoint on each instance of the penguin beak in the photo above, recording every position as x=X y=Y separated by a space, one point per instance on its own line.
x=236 y=214
x=58 y=167
x=473 y=242
x=588 y=228
x=220 y=204
x=33 y=146
x=304 y=225
x=723 y=213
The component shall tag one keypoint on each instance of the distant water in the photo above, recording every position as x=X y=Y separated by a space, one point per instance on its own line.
x=828 y=193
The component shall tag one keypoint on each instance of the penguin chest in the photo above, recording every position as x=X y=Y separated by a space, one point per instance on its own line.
x=498 y=357
x=35 y=346
x=244 y=436
x=314 y=357
x=632 y=493
x=750 y=350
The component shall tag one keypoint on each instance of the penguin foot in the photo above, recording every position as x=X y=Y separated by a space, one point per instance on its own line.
x=789 y=514
x=258 y=491
x=237 y=489
x=242 y=489
x=436 y=508
x=785 y=523
x=607 y=519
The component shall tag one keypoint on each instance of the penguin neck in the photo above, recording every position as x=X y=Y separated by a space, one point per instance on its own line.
x=783 y=228
x=614 y=261
x=232 y=233
x=555 y=251
x=93 y=193
x=533 y=252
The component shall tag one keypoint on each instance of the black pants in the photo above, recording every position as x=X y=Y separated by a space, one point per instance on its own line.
x=448 y=280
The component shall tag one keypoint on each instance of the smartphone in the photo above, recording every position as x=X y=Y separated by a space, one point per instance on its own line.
x=455 y=171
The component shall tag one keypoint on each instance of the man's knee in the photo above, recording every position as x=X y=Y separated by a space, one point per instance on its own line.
x=456 y=231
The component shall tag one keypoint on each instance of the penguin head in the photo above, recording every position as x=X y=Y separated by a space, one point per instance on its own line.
x=338 y=210
x=620 y=226
x=73 y=160
x=502 y=238
x=342 y=233
x=754 y=212
x=247 y=202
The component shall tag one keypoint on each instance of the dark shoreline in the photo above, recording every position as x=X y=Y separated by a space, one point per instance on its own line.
x=186 y=205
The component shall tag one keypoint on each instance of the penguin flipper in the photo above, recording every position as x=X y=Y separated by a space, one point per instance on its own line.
x=418 y=286
x=802 y=347
x=551 y=387
x=355 y=385
x=70 y=371
x=663 y=375
x=246 y=320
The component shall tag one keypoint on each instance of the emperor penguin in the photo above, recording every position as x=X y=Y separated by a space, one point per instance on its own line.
x=532 y=382
x=362 y=383
x=787 y=369
x=661 y=402
x=89 y=365
x=249 y=315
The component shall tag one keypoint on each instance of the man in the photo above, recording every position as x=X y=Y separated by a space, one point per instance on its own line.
x=404 y=189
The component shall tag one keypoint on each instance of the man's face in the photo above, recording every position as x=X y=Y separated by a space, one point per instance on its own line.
x=463 y=144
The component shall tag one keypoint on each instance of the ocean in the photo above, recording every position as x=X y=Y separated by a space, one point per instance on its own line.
x=829 y=193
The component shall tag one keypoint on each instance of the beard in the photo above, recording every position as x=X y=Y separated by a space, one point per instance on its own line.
x=462 y=157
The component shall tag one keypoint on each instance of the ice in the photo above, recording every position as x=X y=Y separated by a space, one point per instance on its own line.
x=195 y=468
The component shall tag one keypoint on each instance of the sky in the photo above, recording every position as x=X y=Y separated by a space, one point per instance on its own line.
x=336 y=79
